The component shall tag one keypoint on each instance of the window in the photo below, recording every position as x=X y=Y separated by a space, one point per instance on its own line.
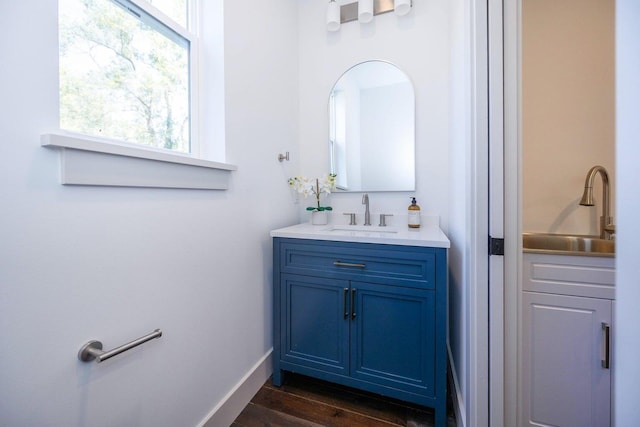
x=126 y=71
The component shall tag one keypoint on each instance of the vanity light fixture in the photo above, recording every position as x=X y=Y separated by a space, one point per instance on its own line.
x=402 y=7
x=333 y=16
x=363 y=11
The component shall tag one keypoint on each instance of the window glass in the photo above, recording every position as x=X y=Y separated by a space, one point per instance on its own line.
x=174 y=9
x=123 y=74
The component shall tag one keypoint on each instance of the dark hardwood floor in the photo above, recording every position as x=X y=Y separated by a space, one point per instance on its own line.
x=307 y=402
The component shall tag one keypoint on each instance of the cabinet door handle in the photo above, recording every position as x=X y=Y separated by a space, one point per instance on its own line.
x=353 y=303
x=348 y=264
x=344 y=303
x=606 y=331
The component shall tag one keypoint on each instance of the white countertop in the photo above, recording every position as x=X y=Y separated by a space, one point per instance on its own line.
x=429 y=234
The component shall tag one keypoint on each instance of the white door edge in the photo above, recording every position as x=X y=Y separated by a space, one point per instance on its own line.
x=478 y=411
x=511 y=15
x=496 y=213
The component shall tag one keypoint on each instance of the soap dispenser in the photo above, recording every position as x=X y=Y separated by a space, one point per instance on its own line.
x=414 y=214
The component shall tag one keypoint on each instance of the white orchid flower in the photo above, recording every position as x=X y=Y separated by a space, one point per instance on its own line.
x=315 y=186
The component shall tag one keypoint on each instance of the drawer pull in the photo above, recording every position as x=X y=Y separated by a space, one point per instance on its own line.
x=348 y=264
x=606 y=329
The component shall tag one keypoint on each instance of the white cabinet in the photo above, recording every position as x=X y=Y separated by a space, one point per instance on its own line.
x=566 y=341
x=564 y=355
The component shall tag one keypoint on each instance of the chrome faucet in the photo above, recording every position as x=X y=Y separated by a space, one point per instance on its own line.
x=367 y=214
x=607 y=228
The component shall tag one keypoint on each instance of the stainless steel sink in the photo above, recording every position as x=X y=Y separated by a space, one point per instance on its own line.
x=567 y=244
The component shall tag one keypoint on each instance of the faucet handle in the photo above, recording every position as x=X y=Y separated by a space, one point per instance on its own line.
x=610 y=231
x=352 y=217
x=383 y=222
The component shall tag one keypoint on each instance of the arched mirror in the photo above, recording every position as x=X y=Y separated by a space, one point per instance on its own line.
x=372 y=129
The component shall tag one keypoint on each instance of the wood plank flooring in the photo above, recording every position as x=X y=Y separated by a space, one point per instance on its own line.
x=307 y=402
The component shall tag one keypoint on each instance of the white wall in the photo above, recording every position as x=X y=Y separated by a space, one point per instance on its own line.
x=627 y=315
x=568 y=110
x=81 y=263
x=418 y=44
x=431 y=45
x=112 y=264
x=459 y=187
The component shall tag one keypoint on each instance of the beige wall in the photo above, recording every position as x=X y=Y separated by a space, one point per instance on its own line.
x=568 y=110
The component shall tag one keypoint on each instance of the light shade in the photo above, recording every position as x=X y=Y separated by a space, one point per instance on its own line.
x=333 y=16
x=365 y=11
x=401 y=7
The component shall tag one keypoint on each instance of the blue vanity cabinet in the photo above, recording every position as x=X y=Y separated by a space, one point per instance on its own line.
x=370 y=316
x=392 y=337
x=314 y=333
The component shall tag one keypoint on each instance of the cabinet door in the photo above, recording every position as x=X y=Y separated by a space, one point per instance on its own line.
x=393 y=336
x=315 y=322
x=564 y=381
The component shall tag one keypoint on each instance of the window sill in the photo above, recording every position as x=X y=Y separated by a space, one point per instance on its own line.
x=91 y=161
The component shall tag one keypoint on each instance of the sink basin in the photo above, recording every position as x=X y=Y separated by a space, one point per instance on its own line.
x=567 y=243
x=362 y=230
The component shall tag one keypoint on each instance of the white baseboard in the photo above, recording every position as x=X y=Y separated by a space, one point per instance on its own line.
x=458 y=402
x=234 y=402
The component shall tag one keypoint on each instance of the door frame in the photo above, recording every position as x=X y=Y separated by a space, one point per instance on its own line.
x=478 y=214
x=512 y=145
x=505 y=201
x=496 y=212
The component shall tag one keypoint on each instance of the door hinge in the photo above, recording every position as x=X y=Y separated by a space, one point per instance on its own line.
x=496 y=246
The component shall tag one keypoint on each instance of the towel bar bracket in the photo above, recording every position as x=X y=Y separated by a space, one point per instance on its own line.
x=90 y=351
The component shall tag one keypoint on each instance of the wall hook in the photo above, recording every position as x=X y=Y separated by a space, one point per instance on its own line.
x=282 y=157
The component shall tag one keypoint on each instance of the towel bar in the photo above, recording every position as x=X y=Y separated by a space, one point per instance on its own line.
x=93 y=349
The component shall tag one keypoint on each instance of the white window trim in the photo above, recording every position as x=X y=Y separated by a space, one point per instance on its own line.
x=87 y=160
x=95 y=161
